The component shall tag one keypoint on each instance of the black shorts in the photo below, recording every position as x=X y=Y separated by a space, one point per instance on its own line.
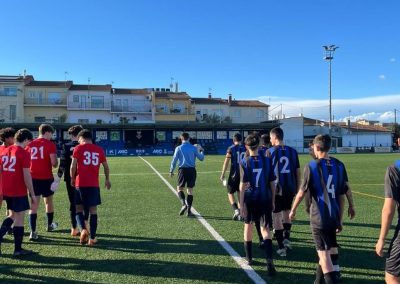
x=392 y=265
x=187 y=177
x=324 y=239
x=283 y=202
x=87 y=196
x=233 y=183
x=258 y=211
x=17 y=204
x=41 y=187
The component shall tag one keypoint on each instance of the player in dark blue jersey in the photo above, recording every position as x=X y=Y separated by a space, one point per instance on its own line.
x=234 y=154
x=265 y=143
x=325 y=183
x=257 y=189
x=392 y=201
x=285 y=162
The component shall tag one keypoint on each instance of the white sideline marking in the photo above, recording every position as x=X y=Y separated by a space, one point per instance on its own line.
x=236 y=257
x=148 y=174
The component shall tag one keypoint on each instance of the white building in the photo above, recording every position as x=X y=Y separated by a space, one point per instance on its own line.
x=132 y=105
x=89 y=104
x=235 y=111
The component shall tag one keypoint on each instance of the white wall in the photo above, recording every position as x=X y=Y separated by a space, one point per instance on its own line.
x=293 y=132
x=92 y=115
x=247 y=114
x=367 y=139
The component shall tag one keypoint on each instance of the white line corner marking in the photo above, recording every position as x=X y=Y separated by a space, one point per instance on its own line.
x=238 y=259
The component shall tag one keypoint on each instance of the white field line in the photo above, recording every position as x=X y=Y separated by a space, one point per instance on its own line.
x=147 y=174
x=236 y=257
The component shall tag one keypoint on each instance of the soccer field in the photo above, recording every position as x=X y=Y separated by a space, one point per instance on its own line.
x=143 y=240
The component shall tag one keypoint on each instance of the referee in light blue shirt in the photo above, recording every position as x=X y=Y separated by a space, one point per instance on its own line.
x=185 y=155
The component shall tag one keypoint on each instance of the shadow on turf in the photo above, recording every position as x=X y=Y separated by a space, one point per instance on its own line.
x=134 y=264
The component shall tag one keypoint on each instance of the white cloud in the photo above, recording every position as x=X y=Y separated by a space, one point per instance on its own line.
x=372 y=108
x=382 y=77
x=392 y=59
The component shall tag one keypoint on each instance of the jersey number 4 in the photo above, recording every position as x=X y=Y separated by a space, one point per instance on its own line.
x=8 y=163
x=330 y=187
x=91 y=158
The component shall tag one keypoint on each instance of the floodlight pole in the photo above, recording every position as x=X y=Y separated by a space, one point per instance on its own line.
x=329 y=51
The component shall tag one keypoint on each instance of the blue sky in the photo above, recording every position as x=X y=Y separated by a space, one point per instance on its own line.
x=269 y=50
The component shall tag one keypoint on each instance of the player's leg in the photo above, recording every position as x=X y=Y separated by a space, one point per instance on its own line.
x=80 y=219
x=260 y=236
x=248 y=241
x=233 y=187
x=334 y=252
x=72 y=208
x=48 y=201
x=278 y=226
x=6 y=225
x=21 y=204
x=326 y=266
x=287 y=223
x=33 y=217
x=189 y=201
x=391 y=279
x=190 y=177
x=181 y=193
x=266 y=223
x=93 y=225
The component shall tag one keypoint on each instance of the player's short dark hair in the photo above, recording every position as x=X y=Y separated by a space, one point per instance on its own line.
x=323 y=142
x=237 y=137
x=278 y=132
x=43 y=128
x=7 y=132
x=74 y=130
x=85 y=134
x=252 y=141
x=22 y=135
x=185 y=136
x=264 y=139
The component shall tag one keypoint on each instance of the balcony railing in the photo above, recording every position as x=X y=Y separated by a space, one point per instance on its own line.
x=131 y=108
x=45 y=101
x=174 y=111
x=89 y=106
x=7 y=94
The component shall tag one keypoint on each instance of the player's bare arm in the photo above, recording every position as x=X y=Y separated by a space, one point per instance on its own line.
x=298 y=179
x=107 y=175
x=388 y=210
x=225 y=166
x=54 y=160
x=73 y=171
x=28 y=184
x=299 y=197
x=351 y=211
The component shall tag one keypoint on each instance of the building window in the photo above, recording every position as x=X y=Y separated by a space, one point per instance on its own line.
x=10 y=91
x=75 y=99
x=237 y=113
x=97 y=102
x=163 y=108
x=54 y=98
x=260 y=114
x=40 y=119
x=178 y=108
x=13 y=112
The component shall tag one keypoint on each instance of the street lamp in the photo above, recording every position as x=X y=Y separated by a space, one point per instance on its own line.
x=329 y=51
